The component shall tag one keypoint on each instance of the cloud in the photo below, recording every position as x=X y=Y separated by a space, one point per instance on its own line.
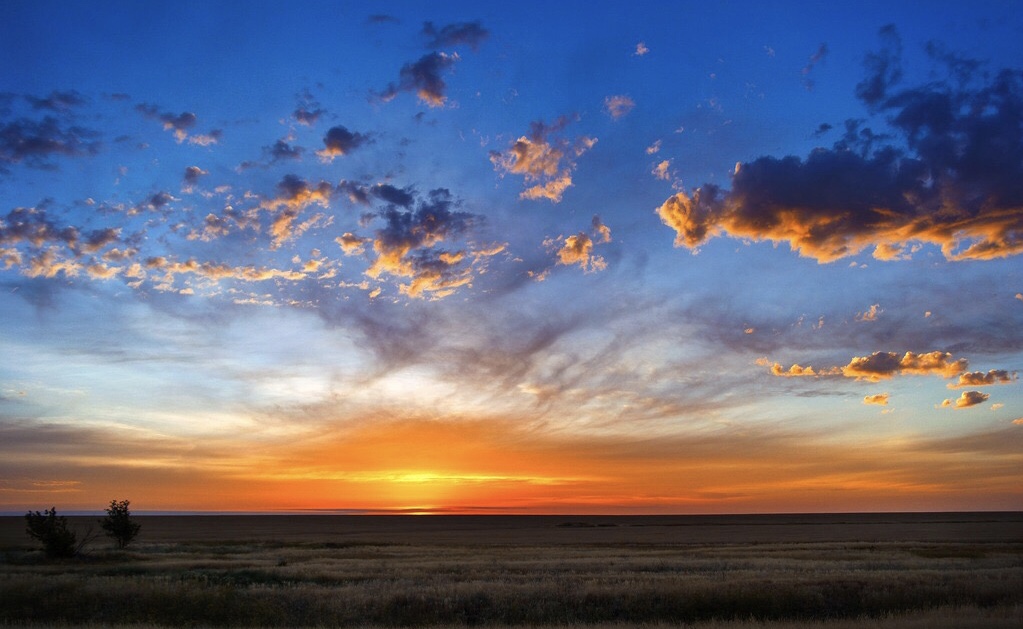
x=192 y=175
x=293 y=195
x=35 y=142
x=469 y=34
x=424 y=78
x=884 y=365
x=880 y=399
x=981 y=379
x=654 y=148
x=641 y=50
x=544 y=159
x=351 y=244
x=871 y=314
x=339 y=141
x=663 y=171
x=796 y=370
x=815 y=58
x=1018 y=422
x=179 y=124
x=409 y=246
x=956 y=184
x=578 y=248
x=879 y=366
x=966 y=400
x=57 y=101
x=207 y=139
x=884 y=68
x=308 y=111
x=618 y=106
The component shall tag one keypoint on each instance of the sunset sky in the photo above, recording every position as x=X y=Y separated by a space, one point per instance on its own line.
x=557 y=257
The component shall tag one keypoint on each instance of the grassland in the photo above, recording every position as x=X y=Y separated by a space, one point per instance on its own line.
x=885 y=571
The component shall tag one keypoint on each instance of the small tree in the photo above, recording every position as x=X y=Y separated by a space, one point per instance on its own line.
x=118 y=523
x=57 y=539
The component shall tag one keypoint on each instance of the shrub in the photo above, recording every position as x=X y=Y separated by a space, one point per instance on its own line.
x=57 y=539
x=118 y=523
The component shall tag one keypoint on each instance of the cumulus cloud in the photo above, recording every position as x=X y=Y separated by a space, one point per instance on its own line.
x=424 y=78
x=618 y=106
x=957 y=182
x=641 y=49
x=982 y=379
x=469 y=34
x=884 y=365
x=880 y=366
x=966 y=400
x=57 y=101
x=879 y=399
x=577 y=249
x=339 y=141
x=191 y=177
x=544 y=158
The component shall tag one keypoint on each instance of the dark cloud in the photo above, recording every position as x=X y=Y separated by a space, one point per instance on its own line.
x=356 y=193
x=380 y=18
x=192 y=174
x=307 y=117
x=279 y=151
x=469 y=34
x=957 y=184
x=34 y=226
x=884 y=68
x=424 y=78
x=390 y=194
x=339 y=141
x=159 y=200
x=35 y=142
x=308 y=111
x=57 y=101
x=282 y=150
x=179 y=124
x=815 y=58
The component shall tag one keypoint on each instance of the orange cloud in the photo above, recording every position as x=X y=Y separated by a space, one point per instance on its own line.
x=871 y=314
x=954 y=186
x=981 y=379
x=543 y=159
x=883 y=365
x=880 y=399
x=966 y=400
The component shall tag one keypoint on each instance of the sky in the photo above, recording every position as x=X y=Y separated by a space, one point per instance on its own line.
x=462 y=257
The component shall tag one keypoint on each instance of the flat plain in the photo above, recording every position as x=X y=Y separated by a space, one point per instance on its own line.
x=785 y=571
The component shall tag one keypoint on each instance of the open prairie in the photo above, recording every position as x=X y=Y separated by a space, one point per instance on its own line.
x=848 y=570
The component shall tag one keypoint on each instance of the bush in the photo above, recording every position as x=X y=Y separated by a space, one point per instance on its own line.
x=118 y=523
x=57 y=539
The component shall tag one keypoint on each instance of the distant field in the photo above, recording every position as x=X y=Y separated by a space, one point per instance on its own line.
x=876 y=570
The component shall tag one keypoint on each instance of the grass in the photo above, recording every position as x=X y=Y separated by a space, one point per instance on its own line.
x=431 y=580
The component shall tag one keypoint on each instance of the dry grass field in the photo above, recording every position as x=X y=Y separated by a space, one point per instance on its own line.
x=785 y=572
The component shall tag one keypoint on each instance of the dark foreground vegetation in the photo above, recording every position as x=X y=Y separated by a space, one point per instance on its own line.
x=566 y=577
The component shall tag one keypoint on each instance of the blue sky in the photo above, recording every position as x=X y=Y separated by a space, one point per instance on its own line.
x=568 y=257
